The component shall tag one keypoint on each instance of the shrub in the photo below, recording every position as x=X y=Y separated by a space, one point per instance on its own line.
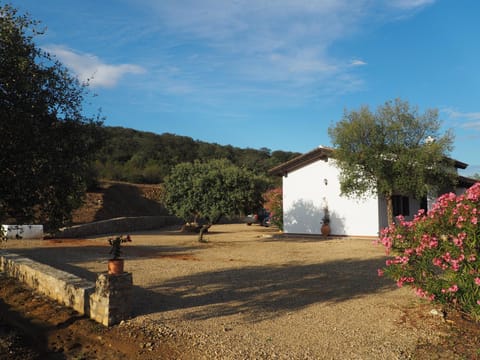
x=437 y=253
x=274 y=204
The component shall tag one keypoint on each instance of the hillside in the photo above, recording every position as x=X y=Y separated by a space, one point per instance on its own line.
x=144 y=157
x=117 y=199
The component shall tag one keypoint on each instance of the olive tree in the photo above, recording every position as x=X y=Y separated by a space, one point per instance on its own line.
x=392 y=150
x=46 y=144
x=210 y=190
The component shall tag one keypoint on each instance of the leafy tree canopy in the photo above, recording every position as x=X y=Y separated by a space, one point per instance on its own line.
x=212 y=189
x=392 y=150
x=46 y=143
x=144 y=157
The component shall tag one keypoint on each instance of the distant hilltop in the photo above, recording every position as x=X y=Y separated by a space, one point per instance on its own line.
x=145 y=157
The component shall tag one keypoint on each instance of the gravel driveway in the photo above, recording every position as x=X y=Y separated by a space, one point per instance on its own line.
x=250 y=294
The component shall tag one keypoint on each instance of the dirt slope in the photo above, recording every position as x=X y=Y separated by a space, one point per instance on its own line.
x=35 y=327
x=117 y=199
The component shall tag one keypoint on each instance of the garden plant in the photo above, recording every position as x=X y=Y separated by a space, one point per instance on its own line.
x=274 y=204
x=437 y=253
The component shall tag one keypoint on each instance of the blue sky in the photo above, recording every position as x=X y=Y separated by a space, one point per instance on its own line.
x=274 y=74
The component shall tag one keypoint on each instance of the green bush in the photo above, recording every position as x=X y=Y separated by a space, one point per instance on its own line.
x=437 y=253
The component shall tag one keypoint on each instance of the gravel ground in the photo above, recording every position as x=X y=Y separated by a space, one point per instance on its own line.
x=250 y=294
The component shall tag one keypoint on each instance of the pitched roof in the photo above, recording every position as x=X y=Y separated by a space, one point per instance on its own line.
x=323 y=153
x=466 y=182
x=320 y=153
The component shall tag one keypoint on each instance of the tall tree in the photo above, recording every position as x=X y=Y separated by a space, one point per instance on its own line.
x=211 y=190
x=392 y=150
x=46 y=144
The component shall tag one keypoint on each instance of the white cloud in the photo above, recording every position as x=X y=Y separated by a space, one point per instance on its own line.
x=469 y=120
x=90 y=68
x=411 y=4
x=284 y=41
x=357 y=62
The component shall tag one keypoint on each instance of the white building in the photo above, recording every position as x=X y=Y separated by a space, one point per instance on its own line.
x=311 y=182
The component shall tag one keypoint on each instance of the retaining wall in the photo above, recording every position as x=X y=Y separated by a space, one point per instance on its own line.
x=108 y=301
x=119 y=225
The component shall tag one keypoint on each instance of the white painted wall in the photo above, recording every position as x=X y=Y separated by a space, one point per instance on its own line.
x=23 y=231
x=305 y=194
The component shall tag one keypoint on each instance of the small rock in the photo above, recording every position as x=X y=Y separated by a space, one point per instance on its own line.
x=435 y=312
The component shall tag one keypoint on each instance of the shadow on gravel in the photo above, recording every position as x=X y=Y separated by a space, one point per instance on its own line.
x=66 y=258
x=258 y=292
x=266 y=292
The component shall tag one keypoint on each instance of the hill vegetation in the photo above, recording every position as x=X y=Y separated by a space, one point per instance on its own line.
x=144 y=157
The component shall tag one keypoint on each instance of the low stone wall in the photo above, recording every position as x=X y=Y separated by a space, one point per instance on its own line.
x=112 y=300
x=59 y=285
x=119 y=225
x=107 y=302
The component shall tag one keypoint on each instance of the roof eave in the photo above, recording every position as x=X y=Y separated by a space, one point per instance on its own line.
x=320 y=153
x=323 y=153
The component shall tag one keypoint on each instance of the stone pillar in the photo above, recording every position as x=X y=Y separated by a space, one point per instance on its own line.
x=112 y=300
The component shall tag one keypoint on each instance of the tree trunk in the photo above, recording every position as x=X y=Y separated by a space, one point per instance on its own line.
x=207 y=226
x=388 y=198
x=203 y=230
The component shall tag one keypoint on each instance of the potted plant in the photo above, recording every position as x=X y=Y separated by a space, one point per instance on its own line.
x=325 y=229
x=116 y=263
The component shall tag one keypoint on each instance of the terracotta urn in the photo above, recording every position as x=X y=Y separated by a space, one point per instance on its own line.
x=115 y=266
x=325 y=229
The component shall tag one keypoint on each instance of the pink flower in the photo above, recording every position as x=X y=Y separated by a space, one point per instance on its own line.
x=453 y=288
x=433 y=243
x=437 y=262
x=447 y=257
x=422 y=293
x=380 y=272
x=458 y=242
x=477 y=281
x=401 y=259
x=455 y=265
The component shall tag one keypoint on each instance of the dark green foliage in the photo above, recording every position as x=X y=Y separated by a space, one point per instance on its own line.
x=46 y=143
x=213 y=189
x=116 y=245
x=387 y=152
x=144 y=157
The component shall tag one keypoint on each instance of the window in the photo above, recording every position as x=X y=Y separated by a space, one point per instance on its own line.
x=401 y=205
x=424 y=204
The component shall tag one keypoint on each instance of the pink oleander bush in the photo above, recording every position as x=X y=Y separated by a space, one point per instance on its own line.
x=437 y=253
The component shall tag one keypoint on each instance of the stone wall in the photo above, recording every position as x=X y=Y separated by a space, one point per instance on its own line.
x=119 y=225
x=112 y=300
x=108 y=301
